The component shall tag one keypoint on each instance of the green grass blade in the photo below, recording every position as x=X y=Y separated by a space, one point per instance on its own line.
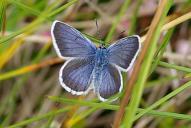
x=164 y=99
x=31 y=27
x=134 y=18
x=161 y=49
x=103 y=105
x=77 y=118
x=40 y=117
x=173 y=66
x=161 y=81
x=3 y=4
x=24 y=7
x=117 y=20
x=62 y=8
x=144 y=70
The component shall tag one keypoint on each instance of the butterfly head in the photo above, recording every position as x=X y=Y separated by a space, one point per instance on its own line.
x=103 y=45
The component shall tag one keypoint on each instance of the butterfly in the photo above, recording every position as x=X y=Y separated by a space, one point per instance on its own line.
x=89 y=67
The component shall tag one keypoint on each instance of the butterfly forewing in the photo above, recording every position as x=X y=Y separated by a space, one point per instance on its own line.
x=69 y=42
x=75 y=75
x=124 y=51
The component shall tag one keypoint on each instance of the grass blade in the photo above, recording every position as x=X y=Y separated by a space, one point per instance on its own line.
x=103 y=105
x=153 y=35
x=117 y=20
x=34 y=24
x=164 y=99
x=40 y=117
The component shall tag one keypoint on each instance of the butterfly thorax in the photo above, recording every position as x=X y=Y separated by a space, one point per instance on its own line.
x=101 y=58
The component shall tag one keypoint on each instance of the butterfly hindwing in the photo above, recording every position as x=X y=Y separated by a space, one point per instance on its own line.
x=124 y=51
x=69 y=42
x=75 y=75
x=110 y=82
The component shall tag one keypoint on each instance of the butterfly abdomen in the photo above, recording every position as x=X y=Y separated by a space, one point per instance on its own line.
x=101 y=61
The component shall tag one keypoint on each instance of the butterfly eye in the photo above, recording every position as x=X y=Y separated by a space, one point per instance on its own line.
x=102 y=47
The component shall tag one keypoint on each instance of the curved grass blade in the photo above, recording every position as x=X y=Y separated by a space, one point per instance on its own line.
x=31 y=27
x=153 y=35
x=29 y=68
x=103 y=105
x=117 y=20
x=40 y=117
x=164 y=99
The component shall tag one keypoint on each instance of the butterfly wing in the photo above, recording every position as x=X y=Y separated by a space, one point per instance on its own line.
x=109 y=82
x=75 y=75
x=124 y=51
x=69 y=42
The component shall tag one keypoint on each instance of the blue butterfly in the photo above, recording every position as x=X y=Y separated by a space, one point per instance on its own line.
x=90 y=67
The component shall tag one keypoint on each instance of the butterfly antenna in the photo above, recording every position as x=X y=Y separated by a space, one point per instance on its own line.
x=122 y=32
x=98 y=33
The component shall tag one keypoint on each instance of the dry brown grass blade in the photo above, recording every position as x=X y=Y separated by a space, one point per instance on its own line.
x=30 y=68
x=132 y=79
